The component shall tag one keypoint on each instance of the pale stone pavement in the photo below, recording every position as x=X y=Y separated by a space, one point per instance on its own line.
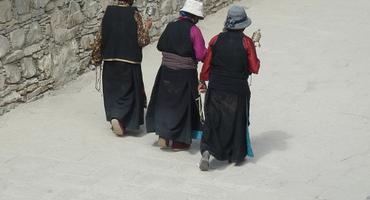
x=310 y=123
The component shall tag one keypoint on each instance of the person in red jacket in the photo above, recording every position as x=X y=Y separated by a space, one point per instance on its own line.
x=230 y=59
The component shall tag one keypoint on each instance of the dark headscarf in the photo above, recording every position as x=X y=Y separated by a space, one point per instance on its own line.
x=190 y=16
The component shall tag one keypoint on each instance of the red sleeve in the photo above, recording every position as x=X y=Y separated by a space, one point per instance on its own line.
x=204 y=74
x=253 y=61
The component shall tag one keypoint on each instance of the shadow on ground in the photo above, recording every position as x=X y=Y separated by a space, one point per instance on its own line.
x=267 y=142
x=136 y=133
x=263 y=144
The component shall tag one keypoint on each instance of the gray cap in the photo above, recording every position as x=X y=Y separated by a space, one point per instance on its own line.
x=237 y=18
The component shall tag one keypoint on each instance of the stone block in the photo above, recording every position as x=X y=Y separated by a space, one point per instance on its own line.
x=34 y=34
x=31 y=88
x=166 y=7
x=25 y=84
x=13 y=74
x=37 y=4
x=45 y=65
x=61 y=35
x=8 y=89
x=86 y=41
x=28 y=67
x=32 y=49
x=164 y=19
x=61 y=3
x=47 y=30
x=24 y=18
x=84 y=54
x=39 y=90
x=4 y=46
x=84 y=63
x=91 y=9
x=18 y=38
x=74 y=6
x=10 y=98
x=75 y=16
x=16 y=55
x=49 y=83
x=158 y=13
x=38 y=55
x=175 y=5
x=75 y=19
x=140 y=3
x=50 y=6
x=58 y=20
x=5 y=11
x=66 y=63
x=2 y=81
x=22 y=6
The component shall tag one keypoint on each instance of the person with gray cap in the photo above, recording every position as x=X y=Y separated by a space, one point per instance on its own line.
x=230 y=59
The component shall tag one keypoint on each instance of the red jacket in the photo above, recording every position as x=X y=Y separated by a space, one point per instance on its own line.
x=254 y=62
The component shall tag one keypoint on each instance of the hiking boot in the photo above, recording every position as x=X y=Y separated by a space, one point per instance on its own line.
x=204 y=161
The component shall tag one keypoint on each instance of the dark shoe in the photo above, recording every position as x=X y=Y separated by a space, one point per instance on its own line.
x=241 y=162
x=204 y=161
x=180 y=146
x=117 y=127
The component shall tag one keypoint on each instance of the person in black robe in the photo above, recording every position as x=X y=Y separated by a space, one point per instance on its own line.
x=172 y=112
x=230 y=59
x=119 y=44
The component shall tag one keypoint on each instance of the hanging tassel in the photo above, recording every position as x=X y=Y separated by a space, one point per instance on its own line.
x=98 y=78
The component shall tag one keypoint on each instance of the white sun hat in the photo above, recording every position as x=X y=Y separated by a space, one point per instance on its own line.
x=193 y=7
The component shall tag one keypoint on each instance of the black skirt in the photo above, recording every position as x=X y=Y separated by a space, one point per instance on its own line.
x=124 y=94
x=226 y=123
x=172 y=112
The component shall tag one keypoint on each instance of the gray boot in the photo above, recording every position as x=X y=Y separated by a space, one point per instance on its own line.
x=204 y=161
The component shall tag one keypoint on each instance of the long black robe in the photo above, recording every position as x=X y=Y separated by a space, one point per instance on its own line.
x=172 y=111
x=124 y=94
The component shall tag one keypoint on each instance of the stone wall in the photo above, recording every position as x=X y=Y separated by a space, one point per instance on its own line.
x=46 y=43
x=167 y=11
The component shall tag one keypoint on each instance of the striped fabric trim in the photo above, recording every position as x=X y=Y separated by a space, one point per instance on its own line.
x=121 y=60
